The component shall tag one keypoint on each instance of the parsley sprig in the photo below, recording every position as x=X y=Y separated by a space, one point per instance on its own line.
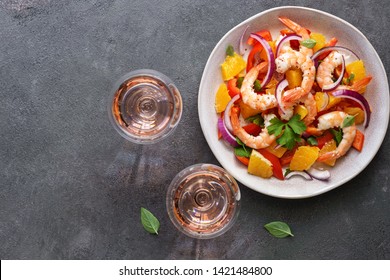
x=290 y=132
x=242 y=150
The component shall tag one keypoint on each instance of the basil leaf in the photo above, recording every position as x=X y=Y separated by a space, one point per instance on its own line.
x=279 y=229
x=348 y=121
x=337 y=135
x=230 y=50
x=312 y=141
x=149 y=221
x=242 y=152
x=257 y=85
x=239 y=82
x=308 y=43
x=287 y=171
x=239 y=142
x=350 y=78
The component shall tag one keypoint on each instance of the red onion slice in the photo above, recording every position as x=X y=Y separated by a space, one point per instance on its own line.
x=241 y=48
x=270 y=56
x=334 y=85
x=286 y=39
x=226 y=135
x=304 y=175
x=318 y=174
x=333 y=48
x=357 y=97
x=226 y=116
x=278 y=93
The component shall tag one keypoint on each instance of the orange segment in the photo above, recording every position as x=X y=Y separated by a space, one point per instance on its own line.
x=320 y=41
x=247 y=111
x=294 y=78
x=304 y=158
x=259 y=165
x=357 y=68
x=222 y=98
x=328 y=147
x=232 y=66
x=279 y=152
x=357 y=112
x=301 y=110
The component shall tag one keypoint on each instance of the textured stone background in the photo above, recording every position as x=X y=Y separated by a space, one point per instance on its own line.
x=71 y=187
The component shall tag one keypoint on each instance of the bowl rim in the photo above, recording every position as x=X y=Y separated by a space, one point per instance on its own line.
x=330 y=186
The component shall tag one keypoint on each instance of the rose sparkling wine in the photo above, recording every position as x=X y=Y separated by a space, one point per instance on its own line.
x=203 y=201
x=146 y=106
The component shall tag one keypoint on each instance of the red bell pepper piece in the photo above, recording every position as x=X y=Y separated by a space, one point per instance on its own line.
x=287 y=157
x=251 y=57
x=263 y=33
x=332 y=42
x=276 y=166
x=232 y=88
x=252 y=129
x=358 y=141
x=243 y=160
x=324 y=138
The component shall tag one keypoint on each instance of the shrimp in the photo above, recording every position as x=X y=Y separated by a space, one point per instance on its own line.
x=263 y=140
x=335 y=119
x=250 y=97
x=298 y=60
x=311 y=106
x=294 y=59
x=326 y=68
x=309 y=102
x=358 y=85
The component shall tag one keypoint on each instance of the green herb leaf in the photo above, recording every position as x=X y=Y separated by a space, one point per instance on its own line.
x=337 y=135
x=308 y=43
x=312 y=141
x=350 y=78
x=288 y=139
x=296 y=124
x=291 y=133
x=288 y=170
x=242 y=152
x=275 y=127
x=149 y=221
x=239 y=142
x=230 y=50
x=239 y=82
x=279 y=229
x=348 y=121
x=257 y=86
x=256 y=119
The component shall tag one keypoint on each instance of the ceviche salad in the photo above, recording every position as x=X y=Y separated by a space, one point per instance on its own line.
x=292 y=104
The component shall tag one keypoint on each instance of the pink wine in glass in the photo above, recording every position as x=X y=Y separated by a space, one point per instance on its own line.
x=146 y=106
x=203 y=201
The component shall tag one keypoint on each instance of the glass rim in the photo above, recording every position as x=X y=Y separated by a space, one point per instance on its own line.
x=197 y=168
x=169 y=85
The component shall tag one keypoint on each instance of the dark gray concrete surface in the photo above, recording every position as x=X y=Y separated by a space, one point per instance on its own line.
x=72 y=188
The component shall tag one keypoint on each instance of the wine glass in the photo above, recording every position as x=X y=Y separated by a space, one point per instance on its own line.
x=145 y=106
x=203 y=201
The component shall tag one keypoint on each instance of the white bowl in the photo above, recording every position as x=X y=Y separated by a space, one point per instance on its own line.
x=377 y=95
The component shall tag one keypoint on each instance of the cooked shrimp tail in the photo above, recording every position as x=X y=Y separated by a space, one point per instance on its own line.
x=295 y=27
x=359 y=85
